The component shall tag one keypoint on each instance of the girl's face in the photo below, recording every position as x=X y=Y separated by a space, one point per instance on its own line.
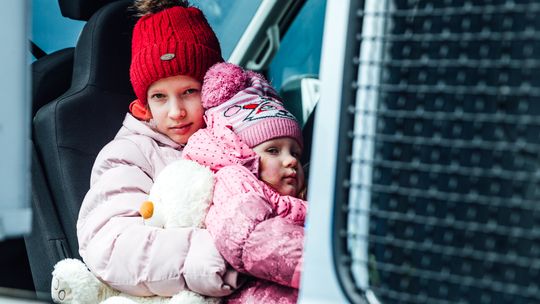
x=280 y=165
x=175 y=104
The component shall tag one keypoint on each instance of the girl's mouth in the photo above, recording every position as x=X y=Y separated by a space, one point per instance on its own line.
x=290 y=179
x=181 y=129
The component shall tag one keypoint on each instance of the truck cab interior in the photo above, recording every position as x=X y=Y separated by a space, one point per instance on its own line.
x=72 y=86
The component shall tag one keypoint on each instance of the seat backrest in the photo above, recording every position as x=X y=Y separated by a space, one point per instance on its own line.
x=52 y=73
x=51 y=77
x=69 y=132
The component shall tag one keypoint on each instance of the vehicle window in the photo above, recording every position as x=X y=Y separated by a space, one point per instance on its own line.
x=228 y=20
x=295 y=67
x=50 y=30
x=300 y=49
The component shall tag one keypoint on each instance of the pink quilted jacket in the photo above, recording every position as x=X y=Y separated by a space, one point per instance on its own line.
x=257 y=230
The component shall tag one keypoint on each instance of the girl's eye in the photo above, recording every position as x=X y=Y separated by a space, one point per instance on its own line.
x=296 y=154
x=158 y=96
x=272 y=150
x=190 y=91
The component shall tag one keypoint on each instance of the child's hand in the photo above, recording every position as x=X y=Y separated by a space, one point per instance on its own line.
x=205 y=270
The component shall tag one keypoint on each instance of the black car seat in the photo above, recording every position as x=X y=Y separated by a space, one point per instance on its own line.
x=69 y=131
x=52 y=73
x=51 y=77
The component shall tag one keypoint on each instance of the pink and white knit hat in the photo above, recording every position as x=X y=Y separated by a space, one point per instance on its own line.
x=252 y=108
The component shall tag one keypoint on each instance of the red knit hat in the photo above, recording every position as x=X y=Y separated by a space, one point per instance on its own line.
x=175 y=41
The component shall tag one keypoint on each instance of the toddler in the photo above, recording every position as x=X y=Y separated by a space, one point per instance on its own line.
x=254 y=145
x=172 y=48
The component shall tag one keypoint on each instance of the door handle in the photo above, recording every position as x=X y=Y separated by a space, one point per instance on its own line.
x=272 y=33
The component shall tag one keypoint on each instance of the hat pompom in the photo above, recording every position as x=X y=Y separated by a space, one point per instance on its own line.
x=221 y=82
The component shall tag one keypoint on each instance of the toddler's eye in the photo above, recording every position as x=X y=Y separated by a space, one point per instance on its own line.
x=296 y=154
x=272 y=150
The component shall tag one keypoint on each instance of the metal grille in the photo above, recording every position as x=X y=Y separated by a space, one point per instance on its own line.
x=444 y=188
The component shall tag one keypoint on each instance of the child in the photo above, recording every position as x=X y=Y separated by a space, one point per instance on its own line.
x=254 y=145
x=172 y=47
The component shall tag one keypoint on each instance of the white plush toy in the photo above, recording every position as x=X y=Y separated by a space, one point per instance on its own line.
x=169 y=205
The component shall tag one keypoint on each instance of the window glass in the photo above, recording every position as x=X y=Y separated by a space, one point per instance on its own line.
x=300 y=50
x=228 y=20
x=50 y=30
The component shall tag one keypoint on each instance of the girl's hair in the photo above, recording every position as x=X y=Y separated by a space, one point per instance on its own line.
x=145 y=7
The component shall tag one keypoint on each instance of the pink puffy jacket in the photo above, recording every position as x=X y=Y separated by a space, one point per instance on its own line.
x=257 y=230
x=116 y=245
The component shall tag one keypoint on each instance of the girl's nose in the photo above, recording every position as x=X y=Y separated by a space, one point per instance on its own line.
x=176 y=111
x=290 y=161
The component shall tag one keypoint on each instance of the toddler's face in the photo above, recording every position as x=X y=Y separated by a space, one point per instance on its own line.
x=280 y=165
x=175 y=104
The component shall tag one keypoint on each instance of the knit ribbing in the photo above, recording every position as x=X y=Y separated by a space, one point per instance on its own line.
x=186 y=39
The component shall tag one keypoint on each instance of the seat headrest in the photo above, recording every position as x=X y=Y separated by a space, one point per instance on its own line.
x=81 y=9
x=103 y=51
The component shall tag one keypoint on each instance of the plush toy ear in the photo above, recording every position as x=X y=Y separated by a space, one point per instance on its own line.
x=221 y=82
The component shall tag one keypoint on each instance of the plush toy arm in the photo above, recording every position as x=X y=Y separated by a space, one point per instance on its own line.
x=73 y=283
